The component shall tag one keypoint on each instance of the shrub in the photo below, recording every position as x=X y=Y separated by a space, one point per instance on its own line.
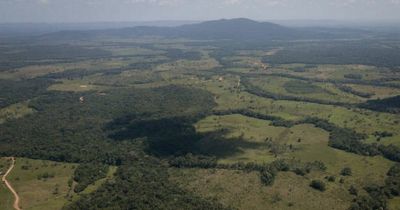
x=318 y=185
x=267 y=177
x=346 y=171
x=353 y=190
x=331 y=178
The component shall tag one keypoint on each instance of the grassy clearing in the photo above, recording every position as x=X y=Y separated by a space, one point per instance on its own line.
x=290 y=191
x=336 y=72
x=46 y=193
x=31 y=71
x=227 y=96
x=15 y=111
x=298 y=88
x=98 y=183
x=75 y=86
x=394 y=204
x=249 y=129
x=134 y=51
x=6 y=197
x=245 y=191
x=308 y=144
x=93 y=187
x=203 y=64
x=378 y=92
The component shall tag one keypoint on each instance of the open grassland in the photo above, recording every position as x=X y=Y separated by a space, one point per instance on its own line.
x=44 y=184
x=301 y=89
x=228 y=96
x=245 y=191
x=75 y=86
x=249 y=129
x=289 y=191
x=377 y=92
x=15 y=111
x=394 y=204
x=41 y=184
x=6 y=197
x=203 y=64
x=335 y=72
x=302 y=142
x=133 y=51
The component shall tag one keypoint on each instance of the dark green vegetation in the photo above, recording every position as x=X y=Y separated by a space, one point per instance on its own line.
x=300 y=87
x=237 y=118
x=87 y=173
x=20 y=56
x=318 y=185
x=350 y=52
x=391 y=105
x=377 y=196
x=18 y=91
x=142 y=184
x=66 y=130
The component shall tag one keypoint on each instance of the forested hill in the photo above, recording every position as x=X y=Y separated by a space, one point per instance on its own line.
x=239 y=29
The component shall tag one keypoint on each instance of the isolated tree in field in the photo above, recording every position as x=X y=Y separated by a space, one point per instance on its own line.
x=346 y=172
x=267 y=177
x=353 y=190
x=318 y=185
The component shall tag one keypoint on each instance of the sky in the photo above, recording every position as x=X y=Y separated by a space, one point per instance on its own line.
x=155 y=10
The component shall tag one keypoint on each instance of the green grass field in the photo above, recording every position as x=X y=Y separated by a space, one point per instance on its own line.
x=37 y=192
x=6 y=197
x=46 y=193
x=140 y=64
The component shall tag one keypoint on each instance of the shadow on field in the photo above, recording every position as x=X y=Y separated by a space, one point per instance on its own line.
x=175 y=136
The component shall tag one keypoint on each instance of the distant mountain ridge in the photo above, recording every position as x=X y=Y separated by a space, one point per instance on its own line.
x=240 y=29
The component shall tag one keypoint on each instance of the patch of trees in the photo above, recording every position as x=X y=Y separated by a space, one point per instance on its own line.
x=377 y=82
x=267 y=171
x=276 y=121
x=350 y=90
x=142 y=183
x=194 y=161
x=65 y=130
x=382 y=134
x=344 y=138
x=353 y=76
x=300 y=87
x=18 y=91
x=178 y=54
x=391 y=105
x=80 y=73
x=337 y=52
x=17 y=56
x=339 y=138
x=318 y=185
x=176 y=136
x=45 y=176
x=377 y=196
x=375 y=199
x=350 y=141
x=252 y=89
x=70 y=74
x=346 y=171
x=87 y=173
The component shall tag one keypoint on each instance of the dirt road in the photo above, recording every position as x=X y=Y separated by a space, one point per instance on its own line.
x=4 y=179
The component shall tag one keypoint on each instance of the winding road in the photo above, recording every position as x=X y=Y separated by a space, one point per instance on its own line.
x=4 y=179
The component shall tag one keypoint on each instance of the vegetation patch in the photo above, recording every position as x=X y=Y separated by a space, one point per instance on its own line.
x=300 y=87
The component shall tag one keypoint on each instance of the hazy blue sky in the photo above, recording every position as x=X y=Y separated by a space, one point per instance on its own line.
x=141 y=10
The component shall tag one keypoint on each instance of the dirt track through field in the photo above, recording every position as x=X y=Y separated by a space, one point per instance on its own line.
x=4 y=179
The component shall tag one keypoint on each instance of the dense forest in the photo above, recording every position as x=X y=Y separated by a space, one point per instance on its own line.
x=337 y=53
